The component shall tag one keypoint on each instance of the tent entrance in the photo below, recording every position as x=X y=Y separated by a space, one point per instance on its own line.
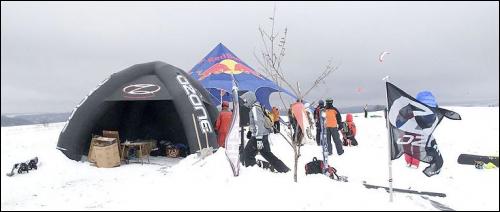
x=153 y=119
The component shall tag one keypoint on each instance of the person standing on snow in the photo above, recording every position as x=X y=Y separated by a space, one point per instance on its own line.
x=292 y=122
x=276 y=120
x=223 y=123
x=366 y=110
x=333 y=123
x=296 y=129
x=428 y=99
x=317 y=113
x=258 y=136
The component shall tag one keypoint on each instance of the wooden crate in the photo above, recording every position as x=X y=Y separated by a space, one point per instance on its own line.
x=113 y=134
x=99 y=141
x=107 y=156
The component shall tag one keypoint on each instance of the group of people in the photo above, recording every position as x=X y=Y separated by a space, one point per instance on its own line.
x=223 y=122
x=259 y=130
x=332 y=124
x=258 y=133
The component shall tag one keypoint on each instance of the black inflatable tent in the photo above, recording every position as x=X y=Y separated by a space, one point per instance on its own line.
x=151 y=100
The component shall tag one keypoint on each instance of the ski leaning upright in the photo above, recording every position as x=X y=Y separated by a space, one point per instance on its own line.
x=327 y=169
x=322 y=116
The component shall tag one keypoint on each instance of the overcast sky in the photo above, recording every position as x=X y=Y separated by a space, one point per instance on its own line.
x=55 y=53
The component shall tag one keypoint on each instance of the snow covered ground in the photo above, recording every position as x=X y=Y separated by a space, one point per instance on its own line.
x=173 y=184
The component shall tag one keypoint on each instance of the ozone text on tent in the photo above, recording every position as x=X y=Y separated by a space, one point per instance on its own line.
x=195 y=100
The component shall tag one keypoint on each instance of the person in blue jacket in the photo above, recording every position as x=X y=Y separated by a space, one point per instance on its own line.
x=428 y=99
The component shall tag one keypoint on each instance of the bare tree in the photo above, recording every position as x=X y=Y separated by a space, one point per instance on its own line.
x=271 y=57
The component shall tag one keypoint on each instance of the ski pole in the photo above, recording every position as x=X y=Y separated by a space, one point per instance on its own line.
x=386 y=79
x=196 y=130
x=206 y=136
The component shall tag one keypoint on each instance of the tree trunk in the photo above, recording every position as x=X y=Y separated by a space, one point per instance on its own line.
x=296 y=151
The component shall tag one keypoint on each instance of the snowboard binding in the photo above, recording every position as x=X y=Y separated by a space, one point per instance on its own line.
x=265 y=165
x=332 y=173
x=479 y=164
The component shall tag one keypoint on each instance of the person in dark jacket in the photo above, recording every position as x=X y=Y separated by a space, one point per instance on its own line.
x=276 y=120
x=366 y=110
x=333 y=123
x=223 y=123
x=291 y=120
x=258 y=136
x=317 y=112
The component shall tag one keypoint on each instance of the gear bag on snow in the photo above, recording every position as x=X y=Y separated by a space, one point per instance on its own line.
x=314 y=167
x=24 y=167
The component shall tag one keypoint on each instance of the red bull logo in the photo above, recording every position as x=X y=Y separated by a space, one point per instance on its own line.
x=228 y=66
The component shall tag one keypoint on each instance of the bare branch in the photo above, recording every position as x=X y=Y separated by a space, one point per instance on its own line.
x=321 y=78
x=271 y=59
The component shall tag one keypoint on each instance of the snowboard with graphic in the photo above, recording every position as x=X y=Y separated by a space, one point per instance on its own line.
x=469 y=159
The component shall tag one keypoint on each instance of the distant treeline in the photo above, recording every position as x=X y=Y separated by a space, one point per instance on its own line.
x=27 y=119
x=360 y=109
x=45 y=118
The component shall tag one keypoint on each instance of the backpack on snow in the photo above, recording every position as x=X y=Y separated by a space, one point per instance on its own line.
x=314 y=167
x=345 y=129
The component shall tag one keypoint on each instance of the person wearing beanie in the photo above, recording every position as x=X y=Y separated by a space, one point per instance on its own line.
x=428 y=99
x=349 y=132
x=333 y=123
x=258 y=136
x=223 y=123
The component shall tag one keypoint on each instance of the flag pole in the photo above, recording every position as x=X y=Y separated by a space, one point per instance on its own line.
x=387 y=124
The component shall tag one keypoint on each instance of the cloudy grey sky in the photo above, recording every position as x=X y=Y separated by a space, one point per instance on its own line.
x=54 y=53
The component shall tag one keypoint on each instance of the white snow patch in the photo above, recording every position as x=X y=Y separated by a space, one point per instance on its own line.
x=174 y=184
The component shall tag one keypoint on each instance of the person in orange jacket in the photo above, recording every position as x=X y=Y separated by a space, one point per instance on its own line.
x=276 y=117
x=223 y=123
x=333 y=123
x=349 y=132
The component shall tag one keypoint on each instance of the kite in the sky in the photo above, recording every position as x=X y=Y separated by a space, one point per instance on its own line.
x=381 y=57
x=359 y=89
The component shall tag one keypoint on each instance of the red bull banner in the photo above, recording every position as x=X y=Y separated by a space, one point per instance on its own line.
x=221 y=63
x=215 y=73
